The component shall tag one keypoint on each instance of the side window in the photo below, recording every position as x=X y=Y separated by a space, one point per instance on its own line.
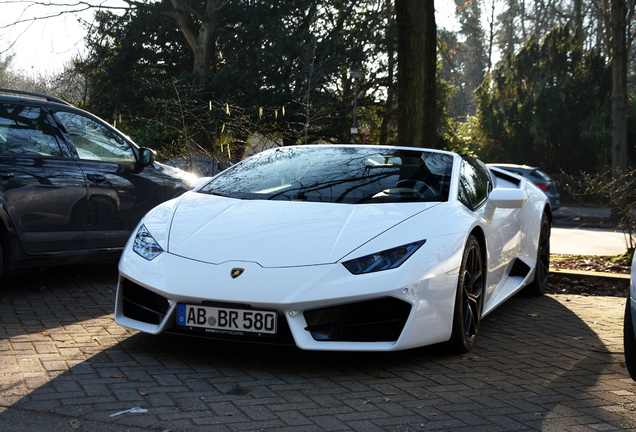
x=93 y=140
x=24 y=130
x=463 y=196
x=476 y=183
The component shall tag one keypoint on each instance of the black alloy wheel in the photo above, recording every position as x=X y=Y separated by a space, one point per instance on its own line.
x=539 y=284
x=629 y=340
x=469 y=300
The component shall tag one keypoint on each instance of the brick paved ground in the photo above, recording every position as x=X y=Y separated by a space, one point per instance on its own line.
x=551 y=363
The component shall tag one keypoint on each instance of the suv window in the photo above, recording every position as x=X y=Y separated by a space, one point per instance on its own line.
x=25 y=131
x=476 y=183
x=543 y=176
x=93 y=140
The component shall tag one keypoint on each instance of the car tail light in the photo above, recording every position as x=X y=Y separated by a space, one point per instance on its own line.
x=543 y=186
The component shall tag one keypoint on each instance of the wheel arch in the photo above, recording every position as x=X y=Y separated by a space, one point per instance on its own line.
x=461 y=339
x=478 y=233
x=548 y=210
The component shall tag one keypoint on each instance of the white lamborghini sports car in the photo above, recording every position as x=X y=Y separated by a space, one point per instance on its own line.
x=337 y=247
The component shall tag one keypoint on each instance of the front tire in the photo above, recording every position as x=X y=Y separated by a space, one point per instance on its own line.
x=629 y=341
x=539 y=285
x=469 y=300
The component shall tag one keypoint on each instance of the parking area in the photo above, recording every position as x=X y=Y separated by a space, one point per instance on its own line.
x=553 y=363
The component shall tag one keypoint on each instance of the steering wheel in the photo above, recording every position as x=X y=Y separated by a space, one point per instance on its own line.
x=418 y=186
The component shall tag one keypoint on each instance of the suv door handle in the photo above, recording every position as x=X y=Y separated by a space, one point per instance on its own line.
x=6 y=174
x=95 y=177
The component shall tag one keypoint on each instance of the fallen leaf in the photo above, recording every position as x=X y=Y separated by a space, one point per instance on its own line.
x=379 y=375
x=75 y=424
x=366 y=402
x=119 y=376
x=142 y=393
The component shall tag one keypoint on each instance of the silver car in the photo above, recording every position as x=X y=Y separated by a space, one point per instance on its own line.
x=539 y=178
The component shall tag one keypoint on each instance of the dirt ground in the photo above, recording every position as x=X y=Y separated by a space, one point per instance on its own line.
x=584 y=285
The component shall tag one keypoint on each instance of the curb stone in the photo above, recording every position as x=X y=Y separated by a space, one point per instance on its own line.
x=592 y=274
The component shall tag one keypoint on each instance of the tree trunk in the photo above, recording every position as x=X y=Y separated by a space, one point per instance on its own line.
x=417 y=123
x=578 y=16
x=203 y=49
x=491 y=36
x=201 y=42
x=619 y=94
x=387 y=115
x=607 y=25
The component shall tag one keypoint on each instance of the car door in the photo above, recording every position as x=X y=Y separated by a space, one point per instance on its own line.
x=120 y=190
x=503 y=232
x=42 y=189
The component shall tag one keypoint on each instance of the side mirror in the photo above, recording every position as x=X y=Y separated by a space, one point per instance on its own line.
x=508 y=198
x=146 y=156
x=504 y=198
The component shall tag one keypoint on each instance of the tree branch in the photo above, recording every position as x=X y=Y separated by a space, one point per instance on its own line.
x=180 y=7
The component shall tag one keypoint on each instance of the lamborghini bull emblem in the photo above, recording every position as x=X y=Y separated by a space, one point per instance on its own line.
x=236 y=272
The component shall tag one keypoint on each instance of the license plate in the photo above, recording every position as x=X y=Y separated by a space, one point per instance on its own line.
x=226 y=320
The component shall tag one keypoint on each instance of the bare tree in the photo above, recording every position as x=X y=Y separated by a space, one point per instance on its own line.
x=7 y=77
x=11 y=78
x=197 y=23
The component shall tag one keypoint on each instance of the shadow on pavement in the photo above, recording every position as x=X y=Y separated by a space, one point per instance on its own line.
x=65 y=363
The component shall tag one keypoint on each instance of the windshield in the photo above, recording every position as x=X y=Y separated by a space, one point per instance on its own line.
x=350 y=175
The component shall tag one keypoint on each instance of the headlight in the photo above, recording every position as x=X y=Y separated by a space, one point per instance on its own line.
x=146 y=246
x=385 y=260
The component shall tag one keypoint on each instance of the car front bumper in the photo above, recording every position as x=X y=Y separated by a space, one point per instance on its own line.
x=321 y=307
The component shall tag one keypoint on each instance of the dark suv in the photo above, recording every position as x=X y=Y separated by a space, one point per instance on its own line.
x=71 y=186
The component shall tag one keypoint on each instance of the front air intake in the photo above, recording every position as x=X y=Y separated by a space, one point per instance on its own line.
x=519 y=268
x=380 y=320
x=143 y=305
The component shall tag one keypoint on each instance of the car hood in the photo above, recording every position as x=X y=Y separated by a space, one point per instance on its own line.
x=215 y=229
